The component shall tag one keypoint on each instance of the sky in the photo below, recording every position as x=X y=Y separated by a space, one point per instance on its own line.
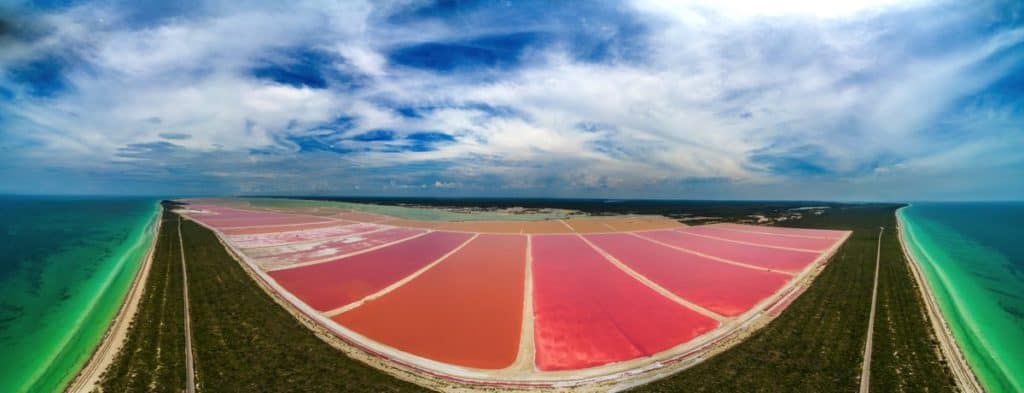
x=870 y=100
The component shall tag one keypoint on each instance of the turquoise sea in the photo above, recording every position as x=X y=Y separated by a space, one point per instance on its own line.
x=973 y=256
x=65 y=266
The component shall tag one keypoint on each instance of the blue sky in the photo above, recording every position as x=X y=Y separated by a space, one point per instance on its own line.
x=873 y=100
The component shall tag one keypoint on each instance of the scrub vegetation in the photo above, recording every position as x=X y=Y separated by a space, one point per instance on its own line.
x=905 y=346
x=691 y=212
x=245 y=342
x=817 y=343
x=152 y=358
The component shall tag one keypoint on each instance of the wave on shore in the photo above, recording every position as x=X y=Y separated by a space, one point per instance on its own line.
x=969 y=255
x=68 y=264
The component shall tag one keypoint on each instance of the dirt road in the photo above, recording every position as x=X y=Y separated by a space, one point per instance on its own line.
x=865 y=375
x=190 y=372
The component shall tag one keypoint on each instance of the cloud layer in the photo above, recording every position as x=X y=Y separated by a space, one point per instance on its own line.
x=605 y=99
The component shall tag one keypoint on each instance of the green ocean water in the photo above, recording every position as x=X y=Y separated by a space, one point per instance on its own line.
x=66 y=265
x=973 y=256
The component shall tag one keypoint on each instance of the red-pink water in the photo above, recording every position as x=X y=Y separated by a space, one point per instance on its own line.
x=770 y=258
x=807 y=243
x=467 y=310
x=726 y=289
x=587 y=312
x=330 y=285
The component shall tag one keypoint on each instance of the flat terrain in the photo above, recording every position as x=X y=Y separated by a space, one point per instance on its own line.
x=904 y=355
x=817 y=343
x=152 y=358
x=607 y=295
x=479 y=325
x=704 y=281
x=245 y=342
x=587 y=312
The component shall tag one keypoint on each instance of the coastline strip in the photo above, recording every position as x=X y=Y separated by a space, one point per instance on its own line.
x=88 y=377
x=190 y=375
x=865 y=374
x=965 y=378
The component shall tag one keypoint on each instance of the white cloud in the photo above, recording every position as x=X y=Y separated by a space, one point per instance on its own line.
x=745 y=9
x=721 y=86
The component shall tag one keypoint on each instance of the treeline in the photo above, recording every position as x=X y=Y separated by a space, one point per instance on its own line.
x=152 y=358
x=245 y=342
x=669 y=208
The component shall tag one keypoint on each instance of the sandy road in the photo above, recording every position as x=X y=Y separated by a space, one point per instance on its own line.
x=190 y=372
x=865 y=375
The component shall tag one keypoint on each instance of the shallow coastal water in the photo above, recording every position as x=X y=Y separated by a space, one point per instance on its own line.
x=973 y=257
x=66 y=266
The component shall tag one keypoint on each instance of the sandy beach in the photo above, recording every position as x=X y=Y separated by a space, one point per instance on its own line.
x=965 y=378
x=89 y=376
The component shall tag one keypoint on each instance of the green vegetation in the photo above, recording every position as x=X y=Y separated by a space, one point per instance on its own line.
x=413 y=212
x=153 y=359
x=904 y=356
x=245 y=342
x=817 y=344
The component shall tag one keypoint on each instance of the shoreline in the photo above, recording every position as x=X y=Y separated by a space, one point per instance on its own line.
x=89 y=375
x=965 y=378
